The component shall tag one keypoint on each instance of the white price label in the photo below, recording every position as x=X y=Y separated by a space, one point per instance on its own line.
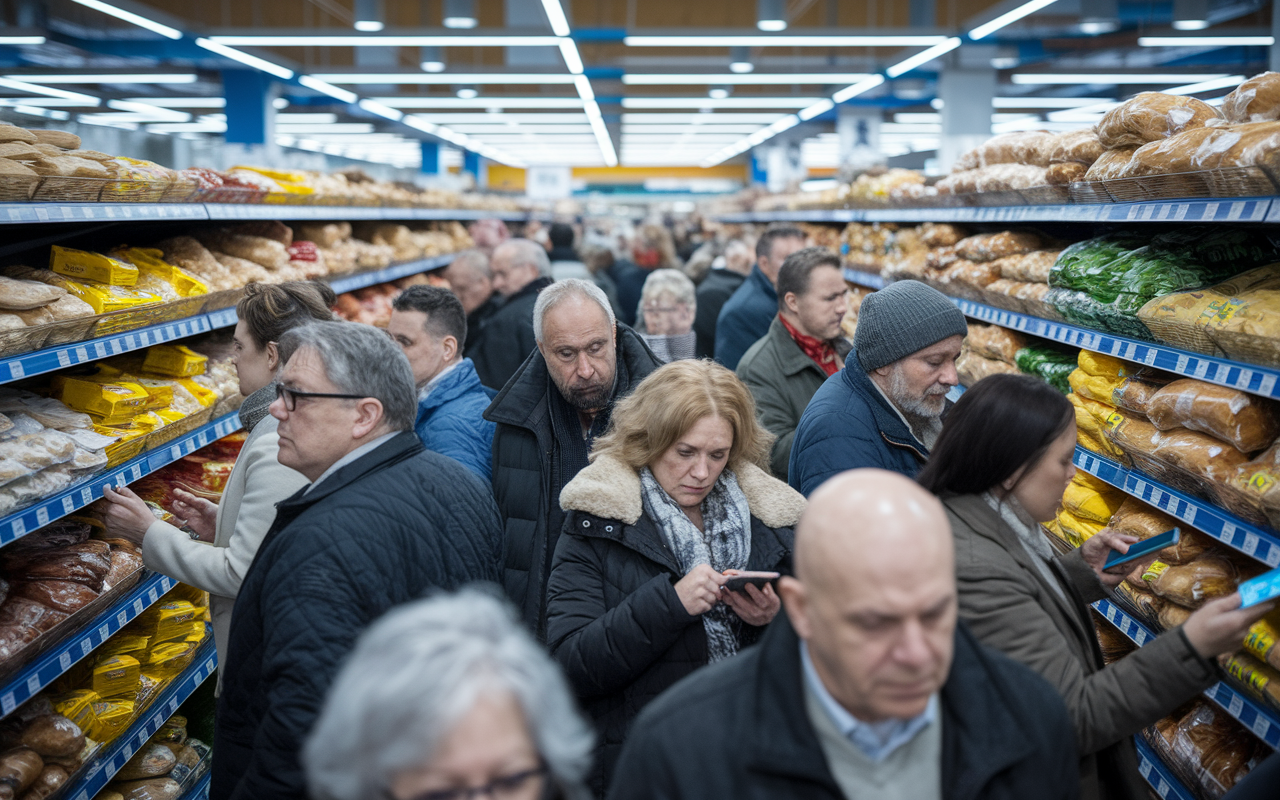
x=1180 y=366
x=7 y=703
x=99 y=350
x=64 y=358
x=103 y=632
x=86 y=495
x=1162 y=788
x=19 y=527
x=122 y=618
x=82 y=355
x=1250 y=545
x=64 y=660
x=1236 y=705
x=33 y=684
x=16 y=370
x=1273 y=556
x=85 y=647
x=137 y=605
x=1111 y=612
x=1267 y=385
x=42 y=516
x=68 y=505
x=1145 y=768
x=152 y=594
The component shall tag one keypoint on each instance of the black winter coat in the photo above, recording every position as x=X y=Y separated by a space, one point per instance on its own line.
x=506 y=339
x=523 y=454
x=740 y=730
x=614 y=620
x=385 y=529
x=714 y=291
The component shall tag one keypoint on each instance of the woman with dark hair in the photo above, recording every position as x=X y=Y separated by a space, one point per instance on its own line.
x=1000 y=467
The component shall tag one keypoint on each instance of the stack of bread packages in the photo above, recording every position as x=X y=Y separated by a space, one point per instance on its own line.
x=1008 y=269
x=1005 y=163
x=1206 y=748
x=168 y=764
x=866 y=247
x=1156 y=134
x=988 y=350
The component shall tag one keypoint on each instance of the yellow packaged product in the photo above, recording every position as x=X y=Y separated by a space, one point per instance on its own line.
x=130 y=439
x=103 y=298
x=203 y=394
x=116 y=675
x=1263 y=679
x=1261 y=639
x=1089 y=503
x=165 y=661
x=111 y=717
x=148 y=687
x=1095 y=387
x=84 y=265
x=110 y=402
x=183 y=591
x=1091 y=426
x=77 y=706
x=1076 y=530
x=169 y=621
x=124 y=643
x=1104 y=366
x=174 y=361
x=150 y=261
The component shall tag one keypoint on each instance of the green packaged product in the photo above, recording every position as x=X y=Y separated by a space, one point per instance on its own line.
x=1050 y=363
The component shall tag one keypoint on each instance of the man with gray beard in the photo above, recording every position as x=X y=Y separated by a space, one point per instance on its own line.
x=884 y=409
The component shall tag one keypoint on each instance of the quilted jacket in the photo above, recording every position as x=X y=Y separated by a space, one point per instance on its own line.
x=451 y=422
x=614 y=621
x=385 y=529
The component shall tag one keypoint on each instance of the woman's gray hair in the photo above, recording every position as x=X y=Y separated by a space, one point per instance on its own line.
x=559 y=291
x=360 y=359
x=415 y=673
x=672 y=282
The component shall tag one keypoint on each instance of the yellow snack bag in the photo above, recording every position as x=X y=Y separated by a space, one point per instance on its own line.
x=91 y=266
x=1104 y=366
x=1089 y=504
x=123 y=643
x=150 y=261
x=1095 y=387
x=111 y=401
x=1077 y=530
x=116 y=675
x=1090 y=426
x=169 y=621
x=203 y=394
x=165 y=661
x=111 y=717
x=196 y=597
x=174 y=361
x=77 y=706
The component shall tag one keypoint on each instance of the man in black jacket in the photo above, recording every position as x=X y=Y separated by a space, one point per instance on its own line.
x=548 y=415
x=383 y=522
x=715 y=290
x=519 y=270
x=866 y=687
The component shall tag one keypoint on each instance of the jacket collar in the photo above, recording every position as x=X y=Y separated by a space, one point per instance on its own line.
x=532 y=287
x=396 y=449
x=609 y=489
x=762 y=282
x=981 y=738
x=453 y=384
x=888 y=420
x=793 y=359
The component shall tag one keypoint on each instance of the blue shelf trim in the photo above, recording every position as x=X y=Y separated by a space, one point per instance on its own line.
x=1158 y=776
x=21 y=213
x=1200 y=514
x=868 y=280
x=131 y=741
x=1257 y=209
x=68 y=501
x=1264 y=722
x=26 y=684
x=201 y=790
x=391 y=273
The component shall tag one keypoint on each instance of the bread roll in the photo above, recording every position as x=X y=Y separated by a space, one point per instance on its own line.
x=21 y=295
x=1020 y=147
x=1077 y=147
x=65 y=596
x=69 y=307
x=12 y=133
x=1151 y=116
x=47 y=783
x=152 y=761
x=63 y=139
x=53 y=735
x=1110 y=165
x=19 y=768
x=1190 y=585
x=1069 y=172
x=1246 y=421
x=993 y=246
x=149 y=789
x=1255 y=100
x=19 y=150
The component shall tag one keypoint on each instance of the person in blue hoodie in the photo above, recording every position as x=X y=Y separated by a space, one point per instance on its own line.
x=429 y=325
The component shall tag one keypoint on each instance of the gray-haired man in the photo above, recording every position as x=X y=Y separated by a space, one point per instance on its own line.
x=382 y=522
x=519 y=270
x=547 y=416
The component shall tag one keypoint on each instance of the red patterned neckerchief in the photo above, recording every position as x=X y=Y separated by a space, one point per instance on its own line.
x=822 y=353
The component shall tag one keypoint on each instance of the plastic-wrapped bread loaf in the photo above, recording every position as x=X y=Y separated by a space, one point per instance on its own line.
x=53 y=735
x=1150 y=116
x=24 y=295
x=63 y=139
x=1246 y=421
x=1032 y=267
x=1111 y=164
x=993 y=341
x=993 y=246
x=1191 y=584
x=1077 y=147
x=1255 y=100
x=1021 y=147
x=1069 y=172
x=1009 y=177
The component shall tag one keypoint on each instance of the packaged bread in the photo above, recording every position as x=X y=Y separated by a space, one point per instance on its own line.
x=84 y=265
x=1192 y=319
x=1256 y=487
x=23 y=295
x=86 y=562
x=1150 y=116
x=993 y=341
x=12 y=133
x=150 y=262
x=1136 y=518
x=1091 y=499
x=1032 y=267
x=268 y=253
x=64 y=166
x=174 y=360
x=123 y=565
x=111 y=401
x=1199 y=455
x=1077 y=530
x=1246 y=421
x=1132 y=434
x=940 y=234
x=993 y=246
x=324 y=235
x=65 y=596
x=1070 y=172
x=1091 y=426
x=53 y=735
x=63 y=139
x=1261 y=639
x=1080 y=146
x=1009 y=177
x=152 y=761
x=102 y=297
x=1262 y=679
x=1218 y=751
x=167 y=621
x=20 y=151
x=47 y=783
x=148 y=789
x=110 y=718
x=1171 y=615
x=1255 y=100
x=116 y=675
x=19 y=768
x=1020 y=147
x=972 y=367
x=1193 y=583
x=1111 y=165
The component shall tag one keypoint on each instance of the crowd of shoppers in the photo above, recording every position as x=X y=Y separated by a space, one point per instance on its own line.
x=679 y=621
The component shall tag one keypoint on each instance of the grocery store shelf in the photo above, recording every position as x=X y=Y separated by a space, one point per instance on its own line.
x=79 y=495
x=869 y=280
x=118 y=753
x=54 y=358
x=1258 y=209
x=22 y=213
x=41 y=673
x=201 y=790
x=1264 y=722
x=1200 y=514
x=1158 y=776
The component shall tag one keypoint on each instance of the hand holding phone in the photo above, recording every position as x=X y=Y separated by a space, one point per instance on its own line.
x=740 y=579
x=1143 y=548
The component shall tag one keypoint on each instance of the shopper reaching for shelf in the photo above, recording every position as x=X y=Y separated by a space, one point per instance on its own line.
x=236 y=525
x=1001 y=466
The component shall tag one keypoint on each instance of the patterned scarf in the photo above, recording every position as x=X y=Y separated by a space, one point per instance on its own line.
x=671 y=348
x=256 y=406
x=725 y=543
x=822 y=352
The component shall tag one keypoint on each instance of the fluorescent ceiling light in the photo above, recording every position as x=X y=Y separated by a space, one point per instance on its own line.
x=368 y=25
x=819 y=184
x=1228 y=82
x=1206 y=41
x=741 y=79
x=741 y=61
x=432 y=66
x=352 y=40
x=1099 y=26
x=923 y=57
x=299 y=119
x=772 y=25
x=482 y=102
x=22 y=40
x=789 y=40
x=221 y=49
x=820 y=107
x=146 y=109
x=188 y=127
x=280 y=102
x=583 y=84
x=466 y=93
x=861 y=87
x=1045 y=102
x=374 y=107
x=324 y=87
x=132 y=18
x=1190 y=24
x=718 y=93
x=460 y=23
x=50 y=102
x=338 y=127
x=555 y=15
x=33 y=111
x=182 y=102
x=439 y=78
x=1110 y=78
x=925 y=117
x=700 y=119
x=111 y=78
x=47 y=91
x=1008 y=18
x=728 y=102
x=569 y=52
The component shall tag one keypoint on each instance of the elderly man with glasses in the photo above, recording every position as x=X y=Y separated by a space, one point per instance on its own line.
x=382 y=522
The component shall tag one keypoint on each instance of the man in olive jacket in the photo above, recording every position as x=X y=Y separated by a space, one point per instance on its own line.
x=547 y=416
x=866 y=687
x=802 y=348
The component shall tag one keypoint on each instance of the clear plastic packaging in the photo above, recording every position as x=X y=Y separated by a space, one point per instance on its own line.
x=993 y=246
x=1080 y=146
x=1019 y=148
x=1246 y=421
x=1255 y=100
x=1150 y=116
x=1191 y=584
x=993 y=341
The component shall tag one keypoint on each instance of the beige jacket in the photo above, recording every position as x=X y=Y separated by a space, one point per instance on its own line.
x=1009 y=606
x=248 y=507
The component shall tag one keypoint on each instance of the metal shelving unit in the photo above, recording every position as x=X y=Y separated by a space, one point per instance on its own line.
x=1158 y=776
x=27 y=213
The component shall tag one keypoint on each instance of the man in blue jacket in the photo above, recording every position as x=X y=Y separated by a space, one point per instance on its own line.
x=884 y=409
x=429 y=324
x=747 y=314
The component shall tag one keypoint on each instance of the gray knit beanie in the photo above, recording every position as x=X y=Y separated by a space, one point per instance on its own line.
x=903 y=318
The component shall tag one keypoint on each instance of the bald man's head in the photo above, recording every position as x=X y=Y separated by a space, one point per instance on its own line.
x=874 y=595
x=468 y=277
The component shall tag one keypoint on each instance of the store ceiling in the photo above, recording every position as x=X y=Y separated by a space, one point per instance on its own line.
x=661 y=82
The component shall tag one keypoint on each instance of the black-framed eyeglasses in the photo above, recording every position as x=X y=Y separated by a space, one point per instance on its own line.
x=504 y=787
x=291 y=396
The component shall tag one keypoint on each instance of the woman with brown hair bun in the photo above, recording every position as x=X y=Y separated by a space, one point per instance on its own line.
x=235 y=526
x=675 y=501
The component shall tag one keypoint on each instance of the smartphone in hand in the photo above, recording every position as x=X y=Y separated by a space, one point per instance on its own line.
x=1143 y=548
x=739 y=580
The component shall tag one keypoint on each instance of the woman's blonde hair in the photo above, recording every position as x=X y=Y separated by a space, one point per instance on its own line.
x=671 y=401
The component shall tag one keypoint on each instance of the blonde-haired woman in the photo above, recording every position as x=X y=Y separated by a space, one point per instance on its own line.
x=677 y=493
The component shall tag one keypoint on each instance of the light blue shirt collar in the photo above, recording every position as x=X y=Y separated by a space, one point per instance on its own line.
x=348 y=458
x=876 y=740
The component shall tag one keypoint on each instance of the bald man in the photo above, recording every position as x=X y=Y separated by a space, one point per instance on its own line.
x=866 y=688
